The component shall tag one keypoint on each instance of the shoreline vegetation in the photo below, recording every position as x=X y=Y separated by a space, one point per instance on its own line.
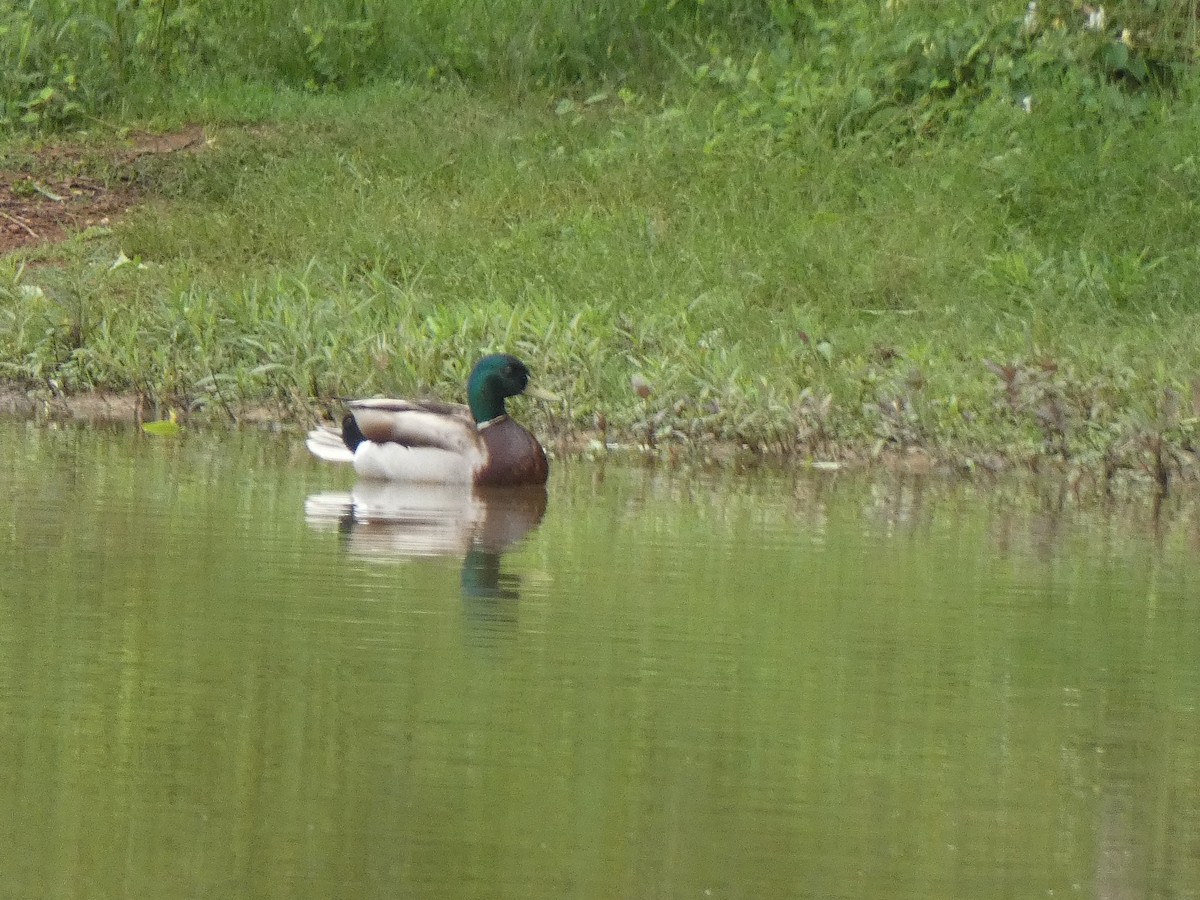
x=911 y=234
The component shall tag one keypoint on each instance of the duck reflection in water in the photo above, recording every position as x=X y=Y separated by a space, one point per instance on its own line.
x=393 y=521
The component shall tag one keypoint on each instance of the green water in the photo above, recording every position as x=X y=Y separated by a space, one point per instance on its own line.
x=216 y=683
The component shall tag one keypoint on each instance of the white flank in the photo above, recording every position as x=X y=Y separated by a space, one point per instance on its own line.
x=428 y=464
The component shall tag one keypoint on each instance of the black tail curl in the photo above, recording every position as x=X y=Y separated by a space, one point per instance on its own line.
x=352 y=435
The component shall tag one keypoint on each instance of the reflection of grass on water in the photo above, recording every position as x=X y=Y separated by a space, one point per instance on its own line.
x=877 y=252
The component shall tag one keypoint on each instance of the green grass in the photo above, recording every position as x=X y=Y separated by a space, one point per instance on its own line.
x=63 y=60
x=785 y=273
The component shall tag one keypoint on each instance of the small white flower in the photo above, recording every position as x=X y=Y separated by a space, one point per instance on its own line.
x=1027 y=103
x=1095 y=18
x=1031 y=16
x=123 y=260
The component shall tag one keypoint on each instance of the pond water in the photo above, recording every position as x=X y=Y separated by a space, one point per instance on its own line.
x=225 y=671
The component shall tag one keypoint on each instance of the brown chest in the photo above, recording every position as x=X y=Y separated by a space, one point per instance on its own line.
x=514 y=456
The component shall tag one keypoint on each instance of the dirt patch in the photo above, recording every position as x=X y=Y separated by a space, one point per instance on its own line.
x=52 y=196
x=101 y=407
x=90 y=406
x=36 y=211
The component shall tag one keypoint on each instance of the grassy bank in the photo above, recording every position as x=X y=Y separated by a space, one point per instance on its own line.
x=789 y=259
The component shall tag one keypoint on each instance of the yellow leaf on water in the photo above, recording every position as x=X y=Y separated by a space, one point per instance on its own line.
x=163 y=428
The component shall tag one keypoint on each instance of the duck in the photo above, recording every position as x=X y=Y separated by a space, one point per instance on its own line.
x=442 y=443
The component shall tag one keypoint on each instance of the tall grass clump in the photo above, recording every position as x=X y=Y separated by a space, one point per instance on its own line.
x=854 y=66
x=63 y=59
x=911 y=69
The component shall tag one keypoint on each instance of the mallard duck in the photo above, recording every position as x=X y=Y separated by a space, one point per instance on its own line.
x=430 y=441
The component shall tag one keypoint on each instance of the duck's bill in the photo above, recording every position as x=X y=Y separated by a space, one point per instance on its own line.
x=542 y=394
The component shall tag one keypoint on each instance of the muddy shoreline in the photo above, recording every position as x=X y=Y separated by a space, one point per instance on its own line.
x=1077 y=478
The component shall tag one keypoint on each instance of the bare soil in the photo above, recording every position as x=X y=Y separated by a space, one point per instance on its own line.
x=62 y=189
x=101 y=407
x=52 y=196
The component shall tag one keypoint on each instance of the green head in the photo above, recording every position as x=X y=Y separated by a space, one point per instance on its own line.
x=493 y=379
